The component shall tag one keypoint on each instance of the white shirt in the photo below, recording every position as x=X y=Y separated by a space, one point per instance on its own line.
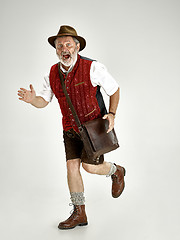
x=98 y=75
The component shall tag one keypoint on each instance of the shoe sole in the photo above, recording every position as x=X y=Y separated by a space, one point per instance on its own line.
x=80 y=224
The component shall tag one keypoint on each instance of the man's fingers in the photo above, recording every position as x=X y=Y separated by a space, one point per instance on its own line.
x=22 y=99
x=111 y=122
x=110 y=128
x=105 y=116
x=20 y=93
x=23 y=89
x=31 y=87
x=23 y=94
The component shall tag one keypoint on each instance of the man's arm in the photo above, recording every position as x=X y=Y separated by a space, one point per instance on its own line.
x=30 y=97
x=114 y=100
x=113 y=104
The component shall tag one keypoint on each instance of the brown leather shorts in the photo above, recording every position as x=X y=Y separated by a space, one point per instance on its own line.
x=74 y=147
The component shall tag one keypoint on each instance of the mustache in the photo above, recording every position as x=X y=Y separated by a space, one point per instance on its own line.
x=65 y=53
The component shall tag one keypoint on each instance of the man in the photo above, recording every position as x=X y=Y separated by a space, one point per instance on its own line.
x=83 y=79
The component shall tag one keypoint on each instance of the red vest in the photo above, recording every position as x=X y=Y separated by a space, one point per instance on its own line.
x=86 y=99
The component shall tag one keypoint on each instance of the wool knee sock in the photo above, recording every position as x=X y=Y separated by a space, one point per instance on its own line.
x=112 y=170
x=77 y=198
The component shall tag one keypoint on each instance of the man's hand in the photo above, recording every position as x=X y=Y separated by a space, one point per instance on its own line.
x=110 y=117
x=30 y=97
x=26 y=95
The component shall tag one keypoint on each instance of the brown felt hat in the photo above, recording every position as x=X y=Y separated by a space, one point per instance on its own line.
x=67 y=31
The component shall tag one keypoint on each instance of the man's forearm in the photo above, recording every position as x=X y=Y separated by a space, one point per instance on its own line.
x=114 y=100
x=39 y=102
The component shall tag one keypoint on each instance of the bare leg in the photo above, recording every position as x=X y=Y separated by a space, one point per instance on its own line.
x=74 y=177
x=116 y=172
x=76 y=188
x=101 y=169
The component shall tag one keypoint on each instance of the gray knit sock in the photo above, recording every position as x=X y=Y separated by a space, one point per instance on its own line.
x=77 y=198
x=112 y=170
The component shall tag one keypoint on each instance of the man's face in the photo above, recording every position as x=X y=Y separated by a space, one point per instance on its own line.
x=66 y=50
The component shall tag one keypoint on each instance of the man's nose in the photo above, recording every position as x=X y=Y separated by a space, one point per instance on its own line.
x=64 y=48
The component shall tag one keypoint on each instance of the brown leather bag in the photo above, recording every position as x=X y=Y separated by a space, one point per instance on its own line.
x=93 y=133
x=96 y=139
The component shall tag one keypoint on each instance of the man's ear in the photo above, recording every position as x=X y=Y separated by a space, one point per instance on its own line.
x=78 y=46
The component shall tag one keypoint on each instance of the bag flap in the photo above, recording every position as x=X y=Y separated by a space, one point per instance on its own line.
x=97 y=131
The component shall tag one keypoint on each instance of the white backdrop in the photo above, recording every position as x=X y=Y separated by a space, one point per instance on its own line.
x=138 y=41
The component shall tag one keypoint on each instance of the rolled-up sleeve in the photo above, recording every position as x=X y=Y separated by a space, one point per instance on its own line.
x=100 y=76
x=46 y=91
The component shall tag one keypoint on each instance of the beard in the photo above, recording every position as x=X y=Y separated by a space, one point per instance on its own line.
x=66 y=58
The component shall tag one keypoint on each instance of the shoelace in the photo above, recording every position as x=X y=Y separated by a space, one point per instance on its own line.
x=73 y=210
x=114 y=177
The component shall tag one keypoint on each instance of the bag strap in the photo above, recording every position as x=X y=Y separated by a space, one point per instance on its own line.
x=69 y=100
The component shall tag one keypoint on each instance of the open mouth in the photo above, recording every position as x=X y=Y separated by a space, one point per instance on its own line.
x=66 y=56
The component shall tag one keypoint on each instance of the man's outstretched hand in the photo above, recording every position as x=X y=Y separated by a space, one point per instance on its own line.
x=26 y=95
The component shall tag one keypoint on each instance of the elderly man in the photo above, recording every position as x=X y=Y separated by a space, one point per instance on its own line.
x=83 y=79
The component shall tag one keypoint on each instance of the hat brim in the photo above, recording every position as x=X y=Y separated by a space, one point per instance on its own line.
x=79 y=38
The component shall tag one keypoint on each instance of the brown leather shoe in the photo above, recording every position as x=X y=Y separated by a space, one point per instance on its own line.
x=77 y=218
x=118 y=181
